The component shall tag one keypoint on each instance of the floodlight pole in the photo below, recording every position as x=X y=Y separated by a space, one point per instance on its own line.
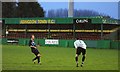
x=71 y=8
x=71 y=14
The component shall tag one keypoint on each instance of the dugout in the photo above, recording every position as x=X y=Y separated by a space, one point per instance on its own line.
x=86 y=28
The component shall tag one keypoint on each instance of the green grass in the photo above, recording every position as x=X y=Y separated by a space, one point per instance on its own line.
x=58 y=58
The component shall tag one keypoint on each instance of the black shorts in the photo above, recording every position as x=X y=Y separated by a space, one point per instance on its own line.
x=79 y=50
x=35 y=51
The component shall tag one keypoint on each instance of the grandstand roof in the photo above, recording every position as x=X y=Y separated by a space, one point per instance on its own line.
x=91 y=20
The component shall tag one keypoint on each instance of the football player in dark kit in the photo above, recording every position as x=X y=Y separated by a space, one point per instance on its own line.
x=34 y=49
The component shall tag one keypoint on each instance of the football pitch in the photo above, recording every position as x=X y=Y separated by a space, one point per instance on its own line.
x=17 y=57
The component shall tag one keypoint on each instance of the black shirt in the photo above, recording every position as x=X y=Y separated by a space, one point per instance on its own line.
x=32 y=43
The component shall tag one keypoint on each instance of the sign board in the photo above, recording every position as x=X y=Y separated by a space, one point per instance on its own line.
x=81 y=20
x=43 y=21
x=12 y=40
x=52 y=41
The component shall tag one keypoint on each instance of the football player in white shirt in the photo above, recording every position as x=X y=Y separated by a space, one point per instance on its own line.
x=80 y=48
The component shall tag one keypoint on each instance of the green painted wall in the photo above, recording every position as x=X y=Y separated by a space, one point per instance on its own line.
x=91 y=43
x=104 y=44
x=115 y=44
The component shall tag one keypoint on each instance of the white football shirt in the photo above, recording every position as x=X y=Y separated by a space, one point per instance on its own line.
x=80 y=43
